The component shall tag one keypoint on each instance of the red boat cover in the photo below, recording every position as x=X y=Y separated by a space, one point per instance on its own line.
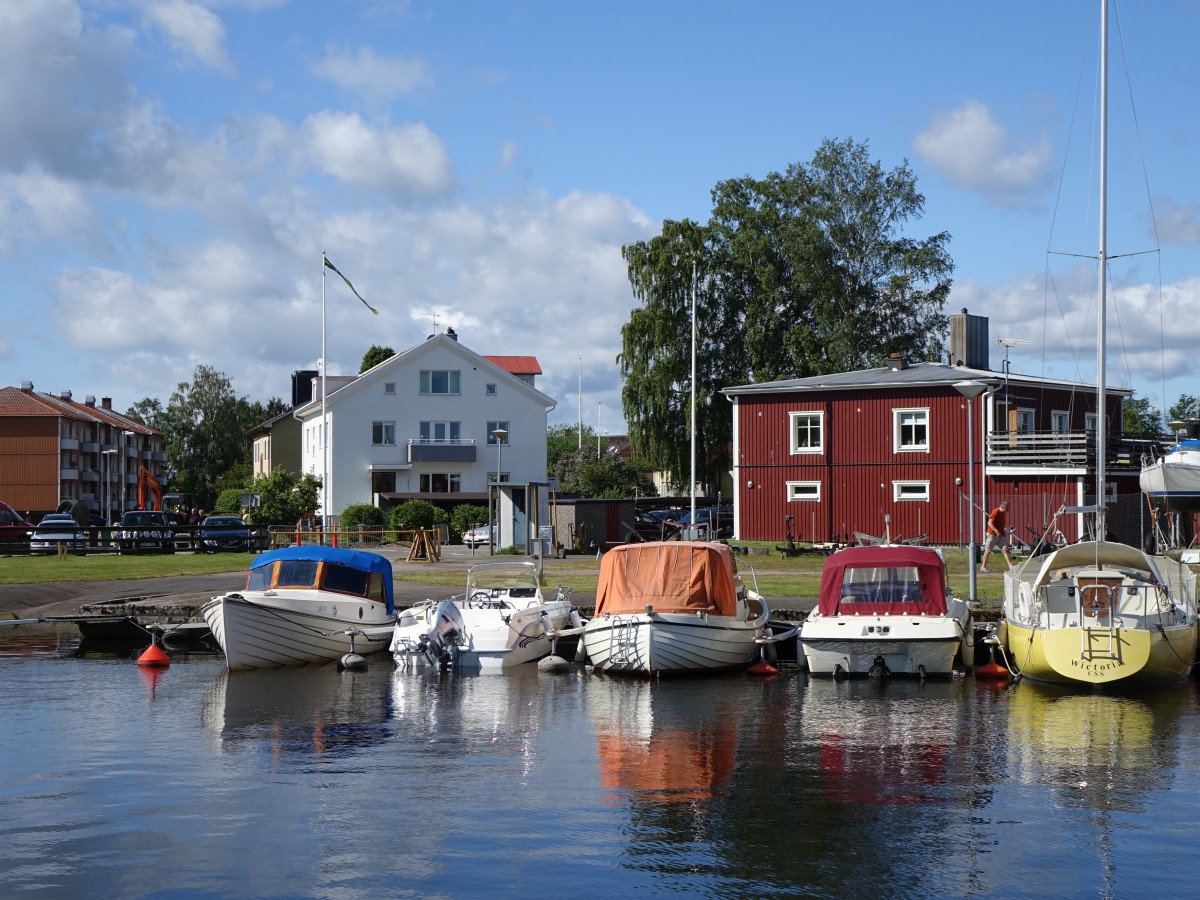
x=883 y=580
x=671 y=576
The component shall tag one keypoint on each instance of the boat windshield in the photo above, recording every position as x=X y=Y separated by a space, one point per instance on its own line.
x=304 y=573
x=881 y=585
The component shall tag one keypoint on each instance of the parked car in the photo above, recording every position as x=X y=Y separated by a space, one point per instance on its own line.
x=57 y=530
x=14 y=530
x=479 y=536
x=646 y=527
x=226 y=533
x=719 y=523
x=144 y=530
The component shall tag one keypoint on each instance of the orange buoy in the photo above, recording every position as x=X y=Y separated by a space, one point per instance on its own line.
x=154 y=658
x=762 y=667
x=991 y=671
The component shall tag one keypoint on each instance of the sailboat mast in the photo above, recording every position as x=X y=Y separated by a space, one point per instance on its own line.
x=1101 y=319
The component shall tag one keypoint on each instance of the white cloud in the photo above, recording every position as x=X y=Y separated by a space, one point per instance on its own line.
x=1178 y=223
x=404 y=160
x=970 y=148
x=376 y=76
x=193 y=31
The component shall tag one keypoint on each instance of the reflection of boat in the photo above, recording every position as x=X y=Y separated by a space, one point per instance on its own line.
x=1099 y=612
x=672 y=607
x=1173 y=479
x=886 y=610
x=885 y=748
x=502 y=620
x=305 y=604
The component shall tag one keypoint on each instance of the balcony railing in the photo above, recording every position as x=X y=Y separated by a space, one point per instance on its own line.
x=1067 y=450
x=428 y=450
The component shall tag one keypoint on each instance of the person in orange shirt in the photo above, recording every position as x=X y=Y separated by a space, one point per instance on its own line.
x=997 y=536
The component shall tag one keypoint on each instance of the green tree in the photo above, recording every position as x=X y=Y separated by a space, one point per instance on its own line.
x=416 y=514
x=582 y=472
x=374 y=356
x=284 y=499
x=1186 y=407
x=562 y=440
x=1139 y=419
x=798 y=274
x=464 y=517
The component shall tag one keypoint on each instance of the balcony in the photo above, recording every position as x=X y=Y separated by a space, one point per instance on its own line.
x=441 y=451
x=68 y=443
x=1060 y=450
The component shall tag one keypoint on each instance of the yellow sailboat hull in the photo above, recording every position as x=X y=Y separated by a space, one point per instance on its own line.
x=1075 y=655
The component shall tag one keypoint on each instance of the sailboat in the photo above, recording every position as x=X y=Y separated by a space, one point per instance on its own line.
x=1100 y=612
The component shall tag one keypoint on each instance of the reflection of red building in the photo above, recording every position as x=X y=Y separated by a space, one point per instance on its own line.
x=839 y=452
x=855 y=772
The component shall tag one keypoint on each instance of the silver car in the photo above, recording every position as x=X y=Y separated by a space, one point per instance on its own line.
x=55 y=531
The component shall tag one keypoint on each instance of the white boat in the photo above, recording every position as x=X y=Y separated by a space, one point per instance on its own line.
x=886 y=609
x=305 y=604
x=1172 y=480
x=673 y=607
x=502 y=620
x=1100 y=612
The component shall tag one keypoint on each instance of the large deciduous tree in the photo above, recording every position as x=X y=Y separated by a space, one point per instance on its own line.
x=805 y=273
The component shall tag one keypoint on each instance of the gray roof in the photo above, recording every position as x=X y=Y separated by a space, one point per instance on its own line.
x=920 y=374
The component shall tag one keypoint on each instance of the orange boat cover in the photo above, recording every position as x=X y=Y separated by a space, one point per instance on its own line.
x=671 y=576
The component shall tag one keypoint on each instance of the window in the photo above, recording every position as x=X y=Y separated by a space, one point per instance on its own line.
x=804 y=490
x=383 y=433
x=440 y=482
x=383 y=482
x=494 y=426
x=805 y=429
x=1089 y=423
x=910 y=490
x=490 y=390
x=1025 y=421
x=441 y=432
x=1060 y=421
x=492 y=479
x=439 y=381
x=389 y=387
x=912 y=430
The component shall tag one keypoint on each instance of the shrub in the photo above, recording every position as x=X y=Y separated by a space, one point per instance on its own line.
x=465 y=517
x=229 y=501
x=369 y=517
x=416 y=514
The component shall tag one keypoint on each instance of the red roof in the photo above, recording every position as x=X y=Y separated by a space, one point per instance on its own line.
x=517 y=365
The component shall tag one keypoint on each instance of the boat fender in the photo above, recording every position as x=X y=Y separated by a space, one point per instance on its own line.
x=879 y=668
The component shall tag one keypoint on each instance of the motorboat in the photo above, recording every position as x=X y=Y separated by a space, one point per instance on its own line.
x=673 y=607
x=887 y=609
x=1172 y=479
x=1100 y=612
x=305 y=604
x=501 y=620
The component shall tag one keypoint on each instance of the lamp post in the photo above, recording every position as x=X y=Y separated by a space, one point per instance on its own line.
x=106 y=494
x=499 y=434
x=125 y=436
x=971 y=390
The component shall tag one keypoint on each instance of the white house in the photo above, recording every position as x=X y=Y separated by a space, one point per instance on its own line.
x=422 y=425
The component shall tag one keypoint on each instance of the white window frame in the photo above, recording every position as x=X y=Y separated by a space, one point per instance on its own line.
x=389 y=387
x=898 y=426
x=489 y=389
x=803 y=491
x=452 y=377
x=910 y=491
x=451 y=432
x=1025 y=420
x=494 y=426
x=1060 y=421
x=453 y=482
x=794 y=420
x=383 y=434
x=1089 y=422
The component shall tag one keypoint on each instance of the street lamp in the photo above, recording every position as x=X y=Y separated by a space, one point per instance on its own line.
x=125 y=436
x=106 y=494
x=971 y=390
x=499 y=434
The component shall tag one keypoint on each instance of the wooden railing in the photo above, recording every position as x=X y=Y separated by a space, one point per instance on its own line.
x=1076 y=449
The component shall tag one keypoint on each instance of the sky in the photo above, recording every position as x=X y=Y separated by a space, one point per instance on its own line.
x=171 y=172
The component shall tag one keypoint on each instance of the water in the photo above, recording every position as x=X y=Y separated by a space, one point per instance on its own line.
x=316 y=783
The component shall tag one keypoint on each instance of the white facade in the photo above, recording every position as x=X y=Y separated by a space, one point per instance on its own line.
x=419 y=424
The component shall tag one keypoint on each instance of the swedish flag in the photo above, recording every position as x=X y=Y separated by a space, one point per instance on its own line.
x=330 y=265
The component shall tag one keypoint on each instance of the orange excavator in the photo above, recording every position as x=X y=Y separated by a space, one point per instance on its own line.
x=148 y=483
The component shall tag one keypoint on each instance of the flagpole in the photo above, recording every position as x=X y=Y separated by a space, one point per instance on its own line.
x=324 y=425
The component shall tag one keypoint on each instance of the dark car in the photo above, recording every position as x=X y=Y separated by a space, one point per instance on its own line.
x=144 y=531
x=646 y=527
x=14 y=530
x=226 y=533
x=57 y=532
x=709 y=522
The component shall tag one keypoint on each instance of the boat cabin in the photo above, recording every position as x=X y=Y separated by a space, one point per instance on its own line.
x=354 y=573
x=884 y=580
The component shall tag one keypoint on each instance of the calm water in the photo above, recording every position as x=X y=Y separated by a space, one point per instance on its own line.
x=316 y=783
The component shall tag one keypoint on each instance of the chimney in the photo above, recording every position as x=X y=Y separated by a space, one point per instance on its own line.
x=969 y=341
x=896 y=362
x=27 y=387
x=106 y=402
x=64 y=395
x=89 y=400
x=452 y=334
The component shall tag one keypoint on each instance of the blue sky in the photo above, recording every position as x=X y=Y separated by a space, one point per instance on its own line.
x=171 y=171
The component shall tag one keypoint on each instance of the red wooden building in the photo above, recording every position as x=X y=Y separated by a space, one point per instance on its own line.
x=886 y=450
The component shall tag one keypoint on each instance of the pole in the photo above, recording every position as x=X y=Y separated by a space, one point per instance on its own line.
x=974 y=576
x=324 y=427
x=581 y=403
x=692 y=422
x=1101 y=327
x=598 y=405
